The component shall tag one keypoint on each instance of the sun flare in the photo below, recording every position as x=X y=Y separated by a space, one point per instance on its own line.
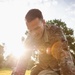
x=17 y=54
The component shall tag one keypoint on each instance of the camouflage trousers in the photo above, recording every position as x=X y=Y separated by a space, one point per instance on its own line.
x=47 y=72
x=45 y=62
x=38 y=71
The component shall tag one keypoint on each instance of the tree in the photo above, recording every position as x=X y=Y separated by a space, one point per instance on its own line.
x=67 y=31
x=1 y=55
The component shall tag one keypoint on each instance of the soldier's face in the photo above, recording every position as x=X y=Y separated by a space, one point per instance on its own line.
x=36 y=28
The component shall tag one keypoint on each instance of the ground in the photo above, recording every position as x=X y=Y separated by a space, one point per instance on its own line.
x=8 y=72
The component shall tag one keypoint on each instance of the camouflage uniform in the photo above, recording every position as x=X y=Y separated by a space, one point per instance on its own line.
x=60 y=59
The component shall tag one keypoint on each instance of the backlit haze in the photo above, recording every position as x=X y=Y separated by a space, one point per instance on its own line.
x=12 y=24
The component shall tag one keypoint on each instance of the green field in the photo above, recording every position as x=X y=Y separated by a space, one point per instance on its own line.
x=8 y=72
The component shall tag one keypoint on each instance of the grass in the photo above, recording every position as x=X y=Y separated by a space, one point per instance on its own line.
x=8 y=72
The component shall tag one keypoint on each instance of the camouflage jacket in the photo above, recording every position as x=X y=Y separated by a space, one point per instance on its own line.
x=60 y=57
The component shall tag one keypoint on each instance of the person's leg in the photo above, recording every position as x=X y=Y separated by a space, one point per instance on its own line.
x=43 y=64
x=47 y=72
x=36 y=70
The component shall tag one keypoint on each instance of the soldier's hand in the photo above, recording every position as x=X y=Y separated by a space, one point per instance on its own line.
x=17 y=72
x=14 y=72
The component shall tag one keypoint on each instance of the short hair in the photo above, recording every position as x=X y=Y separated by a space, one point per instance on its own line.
x=32 y=14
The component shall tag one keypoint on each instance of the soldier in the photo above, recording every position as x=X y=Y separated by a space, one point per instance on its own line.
x=51 y=42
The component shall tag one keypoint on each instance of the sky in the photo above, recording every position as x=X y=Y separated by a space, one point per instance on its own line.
x=12 y=23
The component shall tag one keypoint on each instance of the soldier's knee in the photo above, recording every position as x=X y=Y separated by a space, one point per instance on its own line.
x=33 y=73
x=47 y=72
x=35 y=70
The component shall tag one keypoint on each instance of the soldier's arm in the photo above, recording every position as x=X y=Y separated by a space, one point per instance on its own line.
x=21 y=66
x=61 y=52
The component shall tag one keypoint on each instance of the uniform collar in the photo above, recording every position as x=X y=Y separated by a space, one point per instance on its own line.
x=46 y=37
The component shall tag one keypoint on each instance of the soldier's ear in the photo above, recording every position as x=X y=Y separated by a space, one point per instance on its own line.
x=43 y=22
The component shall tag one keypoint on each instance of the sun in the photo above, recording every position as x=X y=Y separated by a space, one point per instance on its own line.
x=17 y=54
x=16 y=51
